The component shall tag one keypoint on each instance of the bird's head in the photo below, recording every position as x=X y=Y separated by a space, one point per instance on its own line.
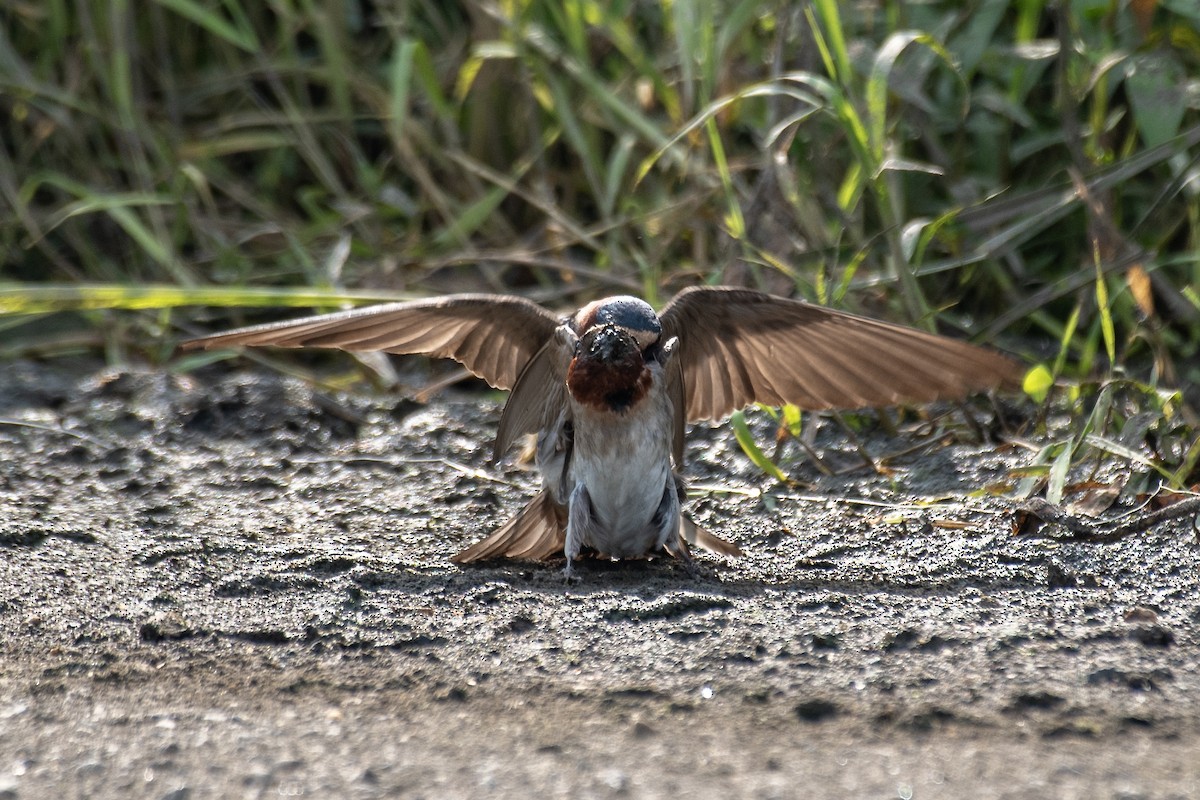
x=628 y=314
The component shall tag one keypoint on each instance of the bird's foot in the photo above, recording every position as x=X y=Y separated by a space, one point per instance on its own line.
x=693 y=569
x=569 y=574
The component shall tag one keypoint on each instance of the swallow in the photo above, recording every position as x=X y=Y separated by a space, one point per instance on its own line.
x=609 y=390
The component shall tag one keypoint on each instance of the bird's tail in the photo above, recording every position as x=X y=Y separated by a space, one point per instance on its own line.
x=536 y=533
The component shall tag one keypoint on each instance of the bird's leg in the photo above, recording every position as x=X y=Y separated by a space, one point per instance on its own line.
x=666 y=517
x=685 y=555
x=579 y=512
x=669 y=518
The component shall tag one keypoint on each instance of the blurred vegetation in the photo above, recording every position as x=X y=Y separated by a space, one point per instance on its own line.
x=1023 y=171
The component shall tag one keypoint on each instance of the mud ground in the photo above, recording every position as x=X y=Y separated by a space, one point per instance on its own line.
x=231 y=585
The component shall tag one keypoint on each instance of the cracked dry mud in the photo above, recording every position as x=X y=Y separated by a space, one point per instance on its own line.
x=223 y=585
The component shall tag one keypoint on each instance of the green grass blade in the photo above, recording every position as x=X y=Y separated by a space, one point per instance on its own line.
x=1057 y=479
x=791 y=417
x=1128 y=453
x=1107 y=328
x=881 y=70
x=832 y=40
x=1187 y=466
x=400 y=84
x=745 y=439
x=714 y=108
x=241 y=36
x=615 y=171
x=42 y=298
x=735 y=223
x=1064 y=346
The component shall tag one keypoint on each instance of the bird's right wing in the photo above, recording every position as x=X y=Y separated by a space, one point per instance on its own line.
x=494 y=336
x=539 y=396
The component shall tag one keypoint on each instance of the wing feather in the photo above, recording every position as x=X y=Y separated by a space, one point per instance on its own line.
x=536 y=533
x=843 y=380
x=739 y=346
x=679 y=414
x=737 y=370
x=692 y=533
x=539 y=394
x=494 y=336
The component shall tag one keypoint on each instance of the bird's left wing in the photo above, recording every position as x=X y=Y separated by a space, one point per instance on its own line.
x=494 y=336
x=739 y=346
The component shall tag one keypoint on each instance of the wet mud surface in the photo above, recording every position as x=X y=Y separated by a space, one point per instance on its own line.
x=232 y=585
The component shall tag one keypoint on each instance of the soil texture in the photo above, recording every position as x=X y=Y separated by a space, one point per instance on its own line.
x=234 y=585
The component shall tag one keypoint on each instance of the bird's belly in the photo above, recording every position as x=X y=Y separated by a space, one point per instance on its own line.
x=625 y=499
x=625 y=464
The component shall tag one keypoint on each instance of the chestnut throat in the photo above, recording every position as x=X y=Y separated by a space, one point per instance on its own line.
x=609 y=385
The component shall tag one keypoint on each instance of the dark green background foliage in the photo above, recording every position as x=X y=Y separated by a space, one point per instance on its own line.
x=1024 y=170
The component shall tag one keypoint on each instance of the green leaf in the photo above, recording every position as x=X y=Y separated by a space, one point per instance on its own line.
x=119 y=207
x=614 y=172
x=1157 y=88
x=1038 y=382
x=470 y=218
x=1098 y=419
x=1058 y=475
x=427 y=75
x=1068 y=334
x=1033 y=473
x=578 y=134
x=770 y=89
x=734 y=221
x=832 y=40
x=791 y=419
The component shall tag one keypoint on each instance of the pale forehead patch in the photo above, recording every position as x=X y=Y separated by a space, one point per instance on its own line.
x=643 y=338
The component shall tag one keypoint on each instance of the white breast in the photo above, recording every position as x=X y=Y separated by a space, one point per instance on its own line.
x=624 y=460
